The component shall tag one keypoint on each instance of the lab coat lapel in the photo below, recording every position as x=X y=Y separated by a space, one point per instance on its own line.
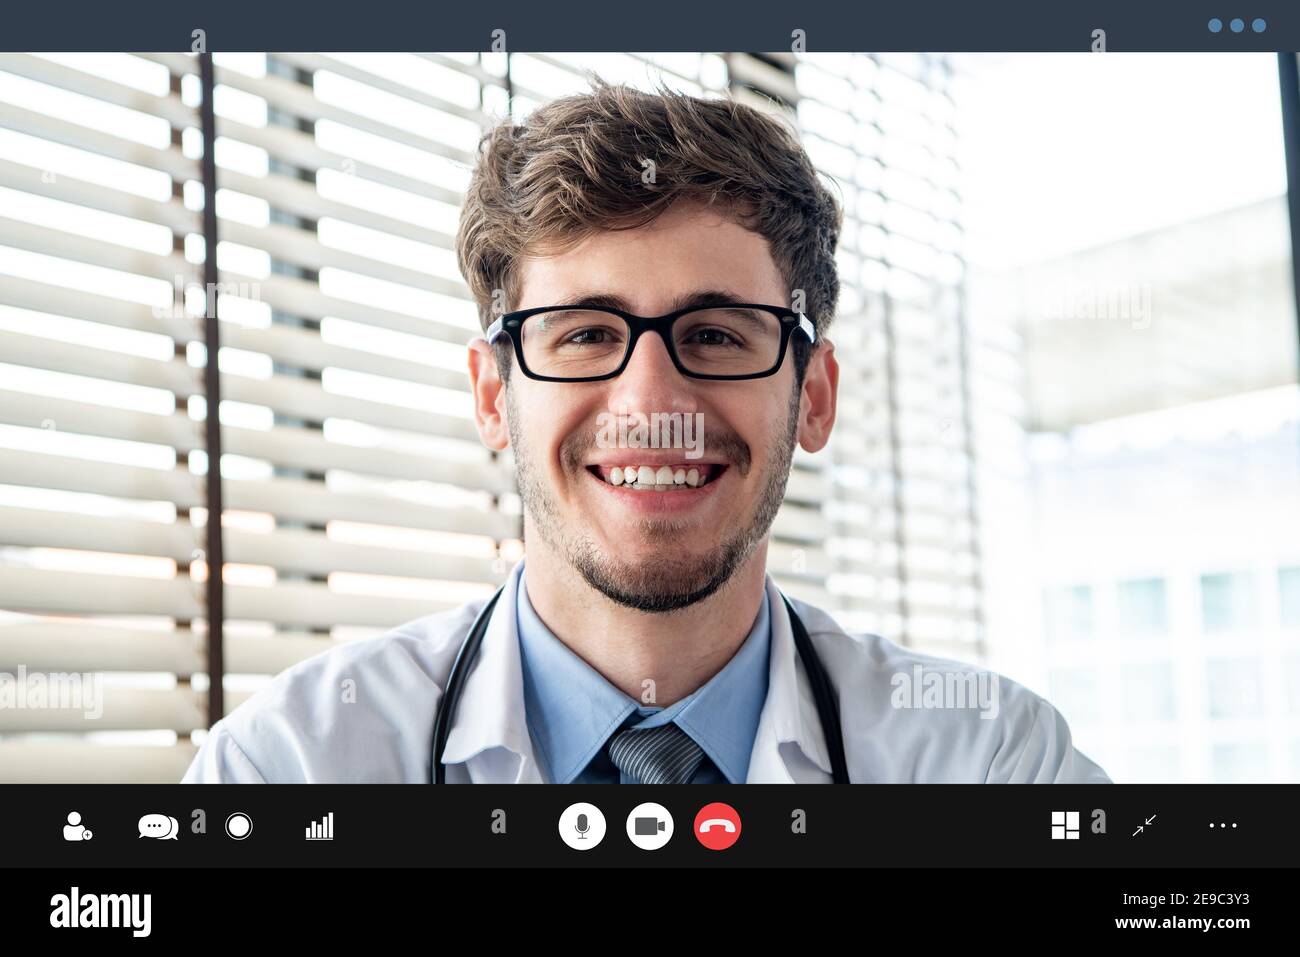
x=789 y=746
x=490 y=731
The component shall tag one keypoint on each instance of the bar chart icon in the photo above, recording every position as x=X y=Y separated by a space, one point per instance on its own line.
x=322 y=830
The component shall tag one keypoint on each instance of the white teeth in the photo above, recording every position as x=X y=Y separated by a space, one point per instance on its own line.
x=647 y=477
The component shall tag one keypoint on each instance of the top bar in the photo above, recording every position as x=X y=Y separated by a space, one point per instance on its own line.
x=671 y=25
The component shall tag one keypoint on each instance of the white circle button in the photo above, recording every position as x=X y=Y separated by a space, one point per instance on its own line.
x=649 y=826
x=582 y=826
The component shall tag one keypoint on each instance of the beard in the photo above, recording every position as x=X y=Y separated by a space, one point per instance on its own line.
x=665 y=579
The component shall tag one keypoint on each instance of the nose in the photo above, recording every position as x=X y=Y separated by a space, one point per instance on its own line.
x=651 y=382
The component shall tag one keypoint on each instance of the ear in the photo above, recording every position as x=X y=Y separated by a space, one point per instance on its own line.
x=817 y=402
x=489 y=396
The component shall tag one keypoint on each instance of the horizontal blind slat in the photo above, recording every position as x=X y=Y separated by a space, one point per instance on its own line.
x=298 y=100
x=62 y=646
x=302 y=199
x=311 y=62
x=284 y=445
x=308 y=605
x=39 y=590
x=302 y=249
x=293 y=499
x=168 y=106
x=302 y=398
x=59 y=645
x=301 y=149
x=95 y=252
x=288 y=549
x=316 y=606
x=167 y=160
x=77 y=762
x=301 y=297
x=29 y=179
x=114 y=709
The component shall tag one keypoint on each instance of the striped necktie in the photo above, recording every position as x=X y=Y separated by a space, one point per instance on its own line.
x=662 y=755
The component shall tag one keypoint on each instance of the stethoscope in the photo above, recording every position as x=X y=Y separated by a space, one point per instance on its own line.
x=828 y=711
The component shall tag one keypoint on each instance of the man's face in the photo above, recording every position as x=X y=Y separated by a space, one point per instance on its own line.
x=654 y=549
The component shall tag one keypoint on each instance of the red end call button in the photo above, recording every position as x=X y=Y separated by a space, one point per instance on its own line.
x=717 y=826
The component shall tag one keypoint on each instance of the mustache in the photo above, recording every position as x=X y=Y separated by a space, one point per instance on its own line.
x=722 y=444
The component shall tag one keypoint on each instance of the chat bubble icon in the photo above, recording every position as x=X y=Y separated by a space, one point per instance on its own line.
x=158 y=826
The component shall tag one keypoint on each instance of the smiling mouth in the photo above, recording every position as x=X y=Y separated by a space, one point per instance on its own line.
x=663 y=478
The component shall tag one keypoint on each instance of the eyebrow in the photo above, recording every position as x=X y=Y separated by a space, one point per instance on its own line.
x=698 y=299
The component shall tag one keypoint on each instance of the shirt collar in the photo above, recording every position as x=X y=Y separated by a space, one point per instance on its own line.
x=572 y=709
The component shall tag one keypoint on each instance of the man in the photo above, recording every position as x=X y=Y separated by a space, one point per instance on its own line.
x=641 y=639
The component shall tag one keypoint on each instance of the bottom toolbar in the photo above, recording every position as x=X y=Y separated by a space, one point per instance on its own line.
x=138 y=826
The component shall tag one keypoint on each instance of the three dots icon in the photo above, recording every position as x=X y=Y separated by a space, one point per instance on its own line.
x=1238 y=25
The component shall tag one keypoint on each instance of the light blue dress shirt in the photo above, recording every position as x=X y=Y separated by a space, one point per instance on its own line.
x=573 y=710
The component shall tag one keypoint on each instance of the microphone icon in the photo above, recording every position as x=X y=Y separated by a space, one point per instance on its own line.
x=581 y=826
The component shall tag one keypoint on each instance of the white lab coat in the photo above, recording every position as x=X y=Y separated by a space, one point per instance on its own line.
x=363 y=713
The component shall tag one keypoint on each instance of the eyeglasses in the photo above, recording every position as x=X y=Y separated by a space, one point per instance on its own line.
x=739 y=340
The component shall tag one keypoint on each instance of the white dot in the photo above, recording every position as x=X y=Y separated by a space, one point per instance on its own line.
x=74 y=818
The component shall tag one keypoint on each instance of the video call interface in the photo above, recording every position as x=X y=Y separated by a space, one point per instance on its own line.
x=765 y=414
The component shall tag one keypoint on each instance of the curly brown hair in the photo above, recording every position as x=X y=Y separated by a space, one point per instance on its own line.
x=574 y=167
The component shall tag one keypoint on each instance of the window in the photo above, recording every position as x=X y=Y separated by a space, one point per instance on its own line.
x=1149 y=692
x=1291 y=667
x=1157 y=764
x=1240 y=763
x=1140 y=607
x=1076 y=693
x=1227 y=602
x=1236 y=688
x=1288 y=591
x=1153 y=315
x=1069 y=612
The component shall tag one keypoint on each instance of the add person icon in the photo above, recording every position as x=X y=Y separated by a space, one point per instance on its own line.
x=73 y=831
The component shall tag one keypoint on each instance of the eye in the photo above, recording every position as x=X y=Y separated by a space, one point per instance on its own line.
x=711 y=337
x=589 y=337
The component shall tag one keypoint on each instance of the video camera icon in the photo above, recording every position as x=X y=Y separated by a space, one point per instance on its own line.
x=650 y=826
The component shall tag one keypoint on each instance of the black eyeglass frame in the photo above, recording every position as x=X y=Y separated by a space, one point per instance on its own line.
x=511 y=324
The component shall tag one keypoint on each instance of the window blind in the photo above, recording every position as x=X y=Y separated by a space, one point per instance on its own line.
x=356 y=493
